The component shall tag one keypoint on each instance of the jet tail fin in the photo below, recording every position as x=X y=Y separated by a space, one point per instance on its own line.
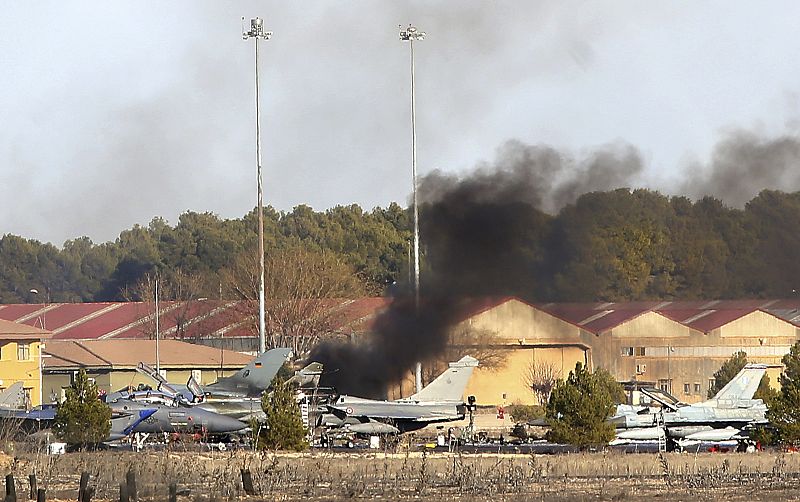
x=743 y=385
x=450 y=385
x=308 y=376
x=13 y=397
x=257 y=375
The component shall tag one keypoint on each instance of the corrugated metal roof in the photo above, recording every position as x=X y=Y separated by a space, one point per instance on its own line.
x=129 y=353
x=208 y=318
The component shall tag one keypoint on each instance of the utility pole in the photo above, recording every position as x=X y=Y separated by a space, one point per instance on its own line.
x=257 y=32
x=411 y=34
x=158 y=357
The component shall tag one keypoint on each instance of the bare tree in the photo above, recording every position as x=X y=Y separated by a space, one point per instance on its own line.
x=304 y=292
x=541 y=377
x=466 y=341
x=178 y=313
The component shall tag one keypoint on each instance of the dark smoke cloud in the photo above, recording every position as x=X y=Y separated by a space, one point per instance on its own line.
x=744 y=163
x=484 y=235
x=540 y=175
x=480 y=235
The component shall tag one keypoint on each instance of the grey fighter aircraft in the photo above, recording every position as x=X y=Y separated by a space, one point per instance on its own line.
x=440 y=401
x=249 y=381
x=223 y=397
x=721 y=418
x=179 y=419
x=39 y=418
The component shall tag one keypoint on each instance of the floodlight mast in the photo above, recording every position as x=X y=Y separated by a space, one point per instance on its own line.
x=410 y=35
x=257 y=32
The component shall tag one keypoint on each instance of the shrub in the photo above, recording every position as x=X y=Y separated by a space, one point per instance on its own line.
x=284 y=428
x=578 y=409
x=82 y=420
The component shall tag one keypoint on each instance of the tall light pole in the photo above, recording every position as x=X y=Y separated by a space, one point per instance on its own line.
x=257 y=32
x=411 y=34
x=155 y=298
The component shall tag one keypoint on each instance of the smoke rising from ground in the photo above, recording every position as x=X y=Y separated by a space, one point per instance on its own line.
x=484 y=234
x=478 y=232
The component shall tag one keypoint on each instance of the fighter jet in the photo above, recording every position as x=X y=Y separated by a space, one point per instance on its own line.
x=178 y=419
x=249 y=381
x=440 y=401
x=40 y=418
x=223 y=397
x=724 y=417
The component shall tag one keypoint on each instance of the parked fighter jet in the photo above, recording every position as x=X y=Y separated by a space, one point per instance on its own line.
x=440 y=401
x=721 y=418
x=222 y=397
x=179 y=419
x=249 y=381
x=39 y=418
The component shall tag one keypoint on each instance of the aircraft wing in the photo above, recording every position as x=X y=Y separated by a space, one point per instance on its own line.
x=389 y=412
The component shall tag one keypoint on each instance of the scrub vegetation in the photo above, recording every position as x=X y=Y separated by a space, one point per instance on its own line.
x=419 y=475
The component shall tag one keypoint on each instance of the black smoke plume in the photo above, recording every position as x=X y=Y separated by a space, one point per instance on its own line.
x=486 y=235
x=483 y=236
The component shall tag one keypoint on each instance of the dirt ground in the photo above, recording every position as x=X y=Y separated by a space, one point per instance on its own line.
x=417 y=475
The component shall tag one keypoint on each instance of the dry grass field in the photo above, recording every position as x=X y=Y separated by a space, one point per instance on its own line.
x=326 y=476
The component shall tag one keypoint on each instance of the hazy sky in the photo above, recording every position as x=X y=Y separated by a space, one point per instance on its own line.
x=115 y=112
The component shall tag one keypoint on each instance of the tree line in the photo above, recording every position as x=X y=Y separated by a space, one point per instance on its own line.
x=608 y=246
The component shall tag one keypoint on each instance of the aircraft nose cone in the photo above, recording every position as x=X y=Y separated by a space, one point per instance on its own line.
x=215 y=422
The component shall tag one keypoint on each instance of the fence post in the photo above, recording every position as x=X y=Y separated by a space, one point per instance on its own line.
x=173 y=492
x=247 y=482
x=130 y=479
x=11 y=489
x=32 y=483
x=83 y=485
x=41 y=495
x=123 y=492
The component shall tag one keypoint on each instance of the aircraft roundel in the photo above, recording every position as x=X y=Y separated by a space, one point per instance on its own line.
x=348 y=410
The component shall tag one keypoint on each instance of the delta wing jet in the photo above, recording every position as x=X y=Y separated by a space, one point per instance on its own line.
x=440 y=401
x=721 y=418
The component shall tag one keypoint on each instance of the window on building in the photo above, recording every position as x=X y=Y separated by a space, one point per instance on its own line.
x=697 y=388
x=641 y=368
x=711 y=382
x=686 y=388
x=665 y=385
x=640 y=351
x=27 y=396
x=23 y=351
x=627 y=351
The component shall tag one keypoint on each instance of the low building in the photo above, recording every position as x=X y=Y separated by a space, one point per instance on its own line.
x=112 y=363
x=20 y=360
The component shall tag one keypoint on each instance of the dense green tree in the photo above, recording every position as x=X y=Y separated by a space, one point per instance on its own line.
x=579 y=407
x=283 y=429
x=612 y=246
x=784 y=412
x=82 y=420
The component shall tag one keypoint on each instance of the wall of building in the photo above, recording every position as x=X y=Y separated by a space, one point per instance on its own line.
x=522 y=336
x=519 y=323
x=16 y=366
x=507 y=384
x=683 y=361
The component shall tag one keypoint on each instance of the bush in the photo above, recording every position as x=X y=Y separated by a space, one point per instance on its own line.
x=578 y=408
x=284 y=428
x=82 y=420
x=523 y=413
